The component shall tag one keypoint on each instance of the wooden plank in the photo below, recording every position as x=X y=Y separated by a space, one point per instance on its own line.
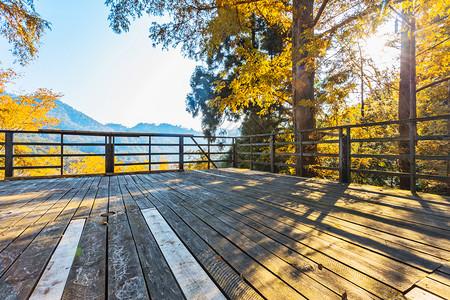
x=100 y=205
x=18 y=245
x=304 y=248
x=125 y=277
x=381 y=242
x=292 y=240
x=336 y=283
x=18 y=281
x=435 y=287
x=138 y=197
x=87 y=276
x=441 y=277
x=445 y=268
x=228 y=279
x=52 y=282
x=422 y=202
x=266 y=283
x=383 y=224
x=365 y=189
x=104 y=181
x=420 y=294
x=18 y=196
x=370 y=241
x=122 y=180
x=333 y=196
x=115 y=196
x=15 y=226
x=86 y=206
x=193 y=280
x=15 y=202
x=160 y=282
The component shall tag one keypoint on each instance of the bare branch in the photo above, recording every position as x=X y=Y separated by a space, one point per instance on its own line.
x=319 y=13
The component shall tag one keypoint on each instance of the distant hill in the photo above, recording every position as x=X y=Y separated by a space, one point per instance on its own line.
x=72 y=119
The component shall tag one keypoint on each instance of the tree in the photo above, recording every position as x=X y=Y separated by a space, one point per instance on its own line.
x=223 y=69
x=26 y=112
x=309 y=29
x=22 y=26
x=315 y=70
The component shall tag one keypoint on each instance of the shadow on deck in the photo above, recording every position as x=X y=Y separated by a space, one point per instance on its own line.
x=216 y=234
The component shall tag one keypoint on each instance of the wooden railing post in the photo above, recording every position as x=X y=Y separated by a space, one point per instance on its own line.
x=412 y=156
x=209 y=153
x=344 y=155
x=150 y=153
x=298 y=139
x=109 y=154
x=272 y=153
x=251 y=153
x=62 y=154
x=181 y=153
x=234 y=153
x=9 y=151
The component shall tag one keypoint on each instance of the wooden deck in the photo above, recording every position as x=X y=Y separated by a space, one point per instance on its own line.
x=217 y=234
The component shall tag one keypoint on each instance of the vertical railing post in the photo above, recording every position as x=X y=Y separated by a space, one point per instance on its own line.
x=9 y=152
x=348 y=157
x=344 y=163
x=272 y=153
x=298 y=139
x=109 y=154
x=234 y=153
x=181 y=153
x=251 y=153
x=412 y=156
x=448 y=133
x=150 y=153
x=62 y=154
x=209 y=153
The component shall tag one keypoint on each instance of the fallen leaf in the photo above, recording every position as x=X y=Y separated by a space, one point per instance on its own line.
x=104 y=223
x=344 y=296
x=242 y=276
x=219 y=258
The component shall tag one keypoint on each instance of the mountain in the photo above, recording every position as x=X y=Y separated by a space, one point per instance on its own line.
x=72 y=119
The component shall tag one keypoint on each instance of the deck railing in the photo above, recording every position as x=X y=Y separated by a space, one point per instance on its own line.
x=270 y=151
x=208 y=151
x=408 y=143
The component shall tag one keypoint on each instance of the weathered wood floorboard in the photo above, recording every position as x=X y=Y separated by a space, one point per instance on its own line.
x=125 y=276
x=326 y=262
x=160 y=282
x=256 y=235
x=401 y=228
x=377 y=241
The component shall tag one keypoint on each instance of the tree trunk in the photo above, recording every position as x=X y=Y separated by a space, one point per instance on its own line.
x=404 y=105
x=303 y=76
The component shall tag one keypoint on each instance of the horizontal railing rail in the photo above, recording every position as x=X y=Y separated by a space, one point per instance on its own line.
x=272 y=150
x=112 y=146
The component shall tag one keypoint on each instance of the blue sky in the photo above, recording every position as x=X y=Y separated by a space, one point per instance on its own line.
x=110 y=77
